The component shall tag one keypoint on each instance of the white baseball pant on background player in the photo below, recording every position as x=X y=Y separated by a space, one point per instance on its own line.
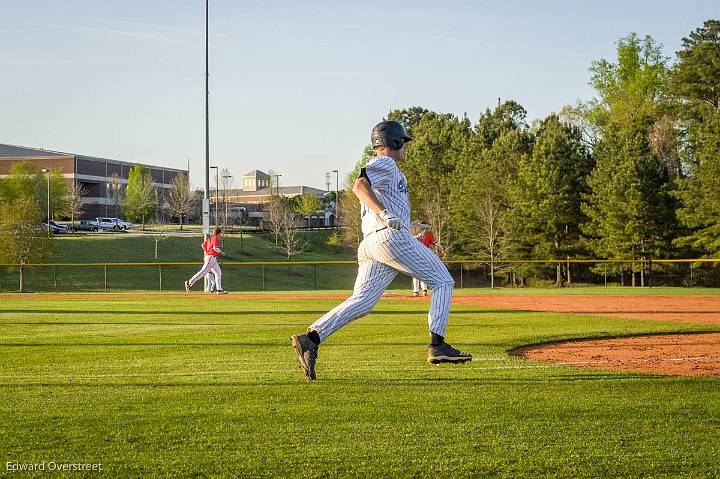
x=210 y=282
x=417 y=285
x=210 y=264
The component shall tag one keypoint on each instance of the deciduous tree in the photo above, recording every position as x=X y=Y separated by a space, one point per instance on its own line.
x=140 y=196
x=24 y=240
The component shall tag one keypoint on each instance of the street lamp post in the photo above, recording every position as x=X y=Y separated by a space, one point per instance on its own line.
x=337 y=198
x=217 y=198
x=47 y=170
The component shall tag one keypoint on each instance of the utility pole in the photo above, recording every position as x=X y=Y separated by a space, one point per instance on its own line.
x=277 y=184
x=337 y=197
x=47 y=170
x=226 y=182
x=327 y=182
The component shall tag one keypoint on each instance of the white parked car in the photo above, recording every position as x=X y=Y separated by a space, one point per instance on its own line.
x=110 y=224
x=125 y=225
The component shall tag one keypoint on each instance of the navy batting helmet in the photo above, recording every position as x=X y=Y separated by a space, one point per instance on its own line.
x=389 y=133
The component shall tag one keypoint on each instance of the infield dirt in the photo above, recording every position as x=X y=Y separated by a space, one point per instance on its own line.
x=677 y=354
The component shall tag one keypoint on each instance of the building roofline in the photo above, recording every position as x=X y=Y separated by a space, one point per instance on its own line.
x=61 y=154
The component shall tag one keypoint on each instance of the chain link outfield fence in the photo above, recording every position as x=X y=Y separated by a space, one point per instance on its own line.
x=340 y=275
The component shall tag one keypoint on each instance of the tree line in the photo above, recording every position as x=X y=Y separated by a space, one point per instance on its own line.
x=633 y=173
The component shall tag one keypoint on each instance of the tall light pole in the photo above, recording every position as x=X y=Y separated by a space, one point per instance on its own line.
x=217 y=197
x=47 y=170
x=337 y=198
x=207 y=125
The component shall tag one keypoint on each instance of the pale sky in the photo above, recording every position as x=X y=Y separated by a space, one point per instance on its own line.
x=295 y=87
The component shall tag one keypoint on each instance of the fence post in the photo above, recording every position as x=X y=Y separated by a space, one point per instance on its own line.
x=55 y=279
x=461 y=276
x=105 y=271
x=649 y=275
x=605 y=273
x=263 y=276
x=315 y=276
x=691 y=275
x=160 y=273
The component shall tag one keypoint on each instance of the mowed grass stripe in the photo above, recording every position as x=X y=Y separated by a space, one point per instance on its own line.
x=219 y=395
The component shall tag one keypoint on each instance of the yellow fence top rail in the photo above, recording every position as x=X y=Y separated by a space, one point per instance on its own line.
x=286 y=263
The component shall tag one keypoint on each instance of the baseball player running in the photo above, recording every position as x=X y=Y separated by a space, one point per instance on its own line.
x=211 y=248
x=387 y=249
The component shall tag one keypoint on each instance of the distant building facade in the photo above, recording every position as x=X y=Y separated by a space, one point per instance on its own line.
x=104 y=180
x=258 y=188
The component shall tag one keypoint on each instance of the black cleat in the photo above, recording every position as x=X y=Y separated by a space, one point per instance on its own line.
x=446 y=354
x=306 y=351
x=187 y=287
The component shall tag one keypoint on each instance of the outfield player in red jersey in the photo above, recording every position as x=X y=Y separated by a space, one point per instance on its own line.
x=426 y=237
x=211 y=248
x=386 y=249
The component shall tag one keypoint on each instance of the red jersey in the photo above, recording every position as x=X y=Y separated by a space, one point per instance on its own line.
x=427 y=238
x=209 y=245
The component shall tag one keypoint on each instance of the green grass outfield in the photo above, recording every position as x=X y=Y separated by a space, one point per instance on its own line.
x=204 y=386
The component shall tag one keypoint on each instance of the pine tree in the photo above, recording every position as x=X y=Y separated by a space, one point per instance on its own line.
x=546 y=195
x=696 y=91
x=630 y=209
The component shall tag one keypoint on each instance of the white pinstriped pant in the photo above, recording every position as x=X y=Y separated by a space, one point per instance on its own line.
x=381 y=256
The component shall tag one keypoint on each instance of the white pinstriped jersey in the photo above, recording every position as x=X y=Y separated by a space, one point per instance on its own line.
x=390 y=186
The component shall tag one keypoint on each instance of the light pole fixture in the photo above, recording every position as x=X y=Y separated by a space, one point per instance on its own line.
x=47 y=170
x=217 y=197
x=337 y=198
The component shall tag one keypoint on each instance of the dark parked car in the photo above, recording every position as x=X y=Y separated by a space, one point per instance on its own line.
x=86 y=225
x=57 y=228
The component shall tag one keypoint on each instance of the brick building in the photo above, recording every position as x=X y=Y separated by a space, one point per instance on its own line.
x=101 y=177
